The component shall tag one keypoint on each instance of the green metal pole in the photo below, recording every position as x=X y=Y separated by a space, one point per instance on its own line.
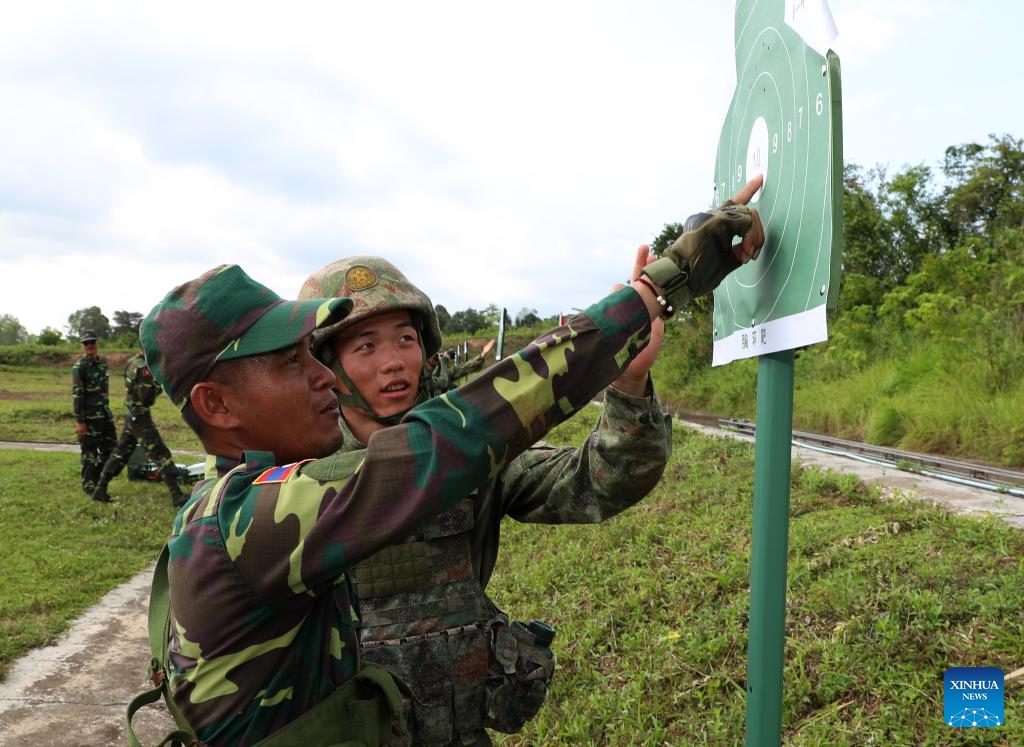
x=772 y=465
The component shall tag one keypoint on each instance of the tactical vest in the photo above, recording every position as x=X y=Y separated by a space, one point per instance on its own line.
x=462 y=664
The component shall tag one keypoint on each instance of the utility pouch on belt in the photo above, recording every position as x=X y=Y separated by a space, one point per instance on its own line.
x=522 y=670
x=357 y=714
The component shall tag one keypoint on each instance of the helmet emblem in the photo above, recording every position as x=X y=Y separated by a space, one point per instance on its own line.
x=360 y=277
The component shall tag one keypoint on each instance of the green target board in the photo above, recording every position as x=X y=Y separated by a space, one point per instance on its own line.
x=784 y=123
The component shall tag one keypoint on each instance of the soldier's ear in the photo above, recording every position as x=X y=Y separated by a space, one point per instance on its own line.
x=212 y=402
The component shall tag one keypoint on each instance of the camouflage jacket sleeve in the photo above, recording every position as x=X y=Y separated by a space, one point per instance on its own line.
x=259 y=556
x=618 y=465
x=443 y=449
x=141 y=388
x=620 y=462
x=473 y=365
x=440 y=377
x=77 y=392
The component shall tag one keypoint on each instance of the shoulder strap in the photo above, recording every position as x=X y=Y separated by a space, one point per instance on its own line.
x=159 y=626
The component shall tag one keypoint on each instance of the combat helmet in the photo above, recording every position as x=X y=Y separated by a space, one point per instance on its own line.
x=375 y=286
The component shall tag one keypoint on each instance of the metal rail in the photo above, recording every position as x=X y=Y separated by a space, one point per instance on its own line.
x=977 y=475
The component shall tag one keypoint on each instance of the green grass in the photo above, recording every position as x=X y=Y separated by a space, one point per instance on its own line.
x=651 y=611
x=61 y=552
x=932 y=396
x=651 y=607
x=35 y=405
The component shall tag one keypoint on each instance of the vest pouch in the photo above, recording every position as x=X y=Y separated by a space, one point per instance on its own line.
x=360 y=713
x=522 y=668
x=443 y=677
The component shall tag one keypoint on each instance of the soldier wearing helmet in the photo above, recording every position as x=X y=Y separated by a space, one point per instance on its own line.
x=375 y=286
x=262 y=638
x=425 y=613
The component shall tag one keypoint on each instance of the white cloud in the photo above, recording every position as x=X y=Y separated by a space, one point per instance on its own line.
x=498 y=154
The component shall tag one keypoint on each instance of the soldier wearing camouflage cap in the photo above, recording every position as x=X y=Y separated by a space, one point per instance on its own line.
x=464 y=666
x=90 y=402
x=264 y=644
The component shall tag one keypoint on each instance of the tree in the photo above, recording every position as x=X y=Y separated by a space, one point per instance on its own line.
x=11 y=331
x=492 y=315
x=526 y=317
x=49 y=336
x=443 y=317
x=90 y=318
x=467 y=321
x=913 y=214
x=126 y=323
x=866 y=233
x=663 y=241
x=985 y=188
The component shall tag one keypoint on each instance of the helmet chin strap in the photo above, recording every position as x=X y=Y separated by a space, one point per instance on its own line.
x=355 y=400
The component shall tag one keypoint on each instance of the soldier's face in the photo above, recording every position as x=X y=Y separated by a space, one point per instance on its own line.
x=382 y=357
x=287 y=404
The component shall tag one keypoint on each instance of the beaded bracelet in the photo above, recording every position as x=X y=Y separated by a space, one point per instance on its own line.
x=666 y=308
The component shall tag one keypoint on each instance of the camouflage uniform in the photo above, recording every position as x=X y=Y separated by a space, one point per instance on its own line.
x=263 y=622
x=263 y=630
x=445 y=373
x=141 y=391
x=91 y=405
x=440 y=375
x=457 y=371
x=425 y=615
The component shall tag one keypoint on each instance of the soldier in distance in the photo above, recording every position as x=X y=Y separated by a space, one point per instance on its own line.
x=141 y=391
x=90 y=402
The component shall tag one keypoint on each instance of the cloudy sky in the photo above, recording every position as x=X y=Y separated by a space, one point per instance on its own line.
x=506 y=153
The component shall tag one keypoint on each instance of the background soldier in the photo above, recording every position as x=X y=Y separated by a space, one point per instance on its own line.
x=94 y=422
x=471 y=365
x=446 y=374
x=141 y=391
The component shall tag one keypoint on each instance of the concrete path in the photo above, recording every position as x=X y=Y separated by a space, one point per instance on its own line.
x=74 y=694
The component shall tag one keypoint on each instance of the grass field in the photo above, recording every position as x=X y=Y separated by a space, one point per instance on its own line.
x=35 y=405
x=651 y=607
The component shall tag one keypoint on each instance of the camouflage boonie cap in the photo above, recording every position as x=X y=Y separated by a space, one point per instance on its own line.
x=375 y=286
x=87 y=335
x=222 y=315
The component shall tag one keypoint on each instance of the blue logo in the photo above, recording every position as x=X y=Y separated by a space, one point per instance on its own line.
x=974 y=697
